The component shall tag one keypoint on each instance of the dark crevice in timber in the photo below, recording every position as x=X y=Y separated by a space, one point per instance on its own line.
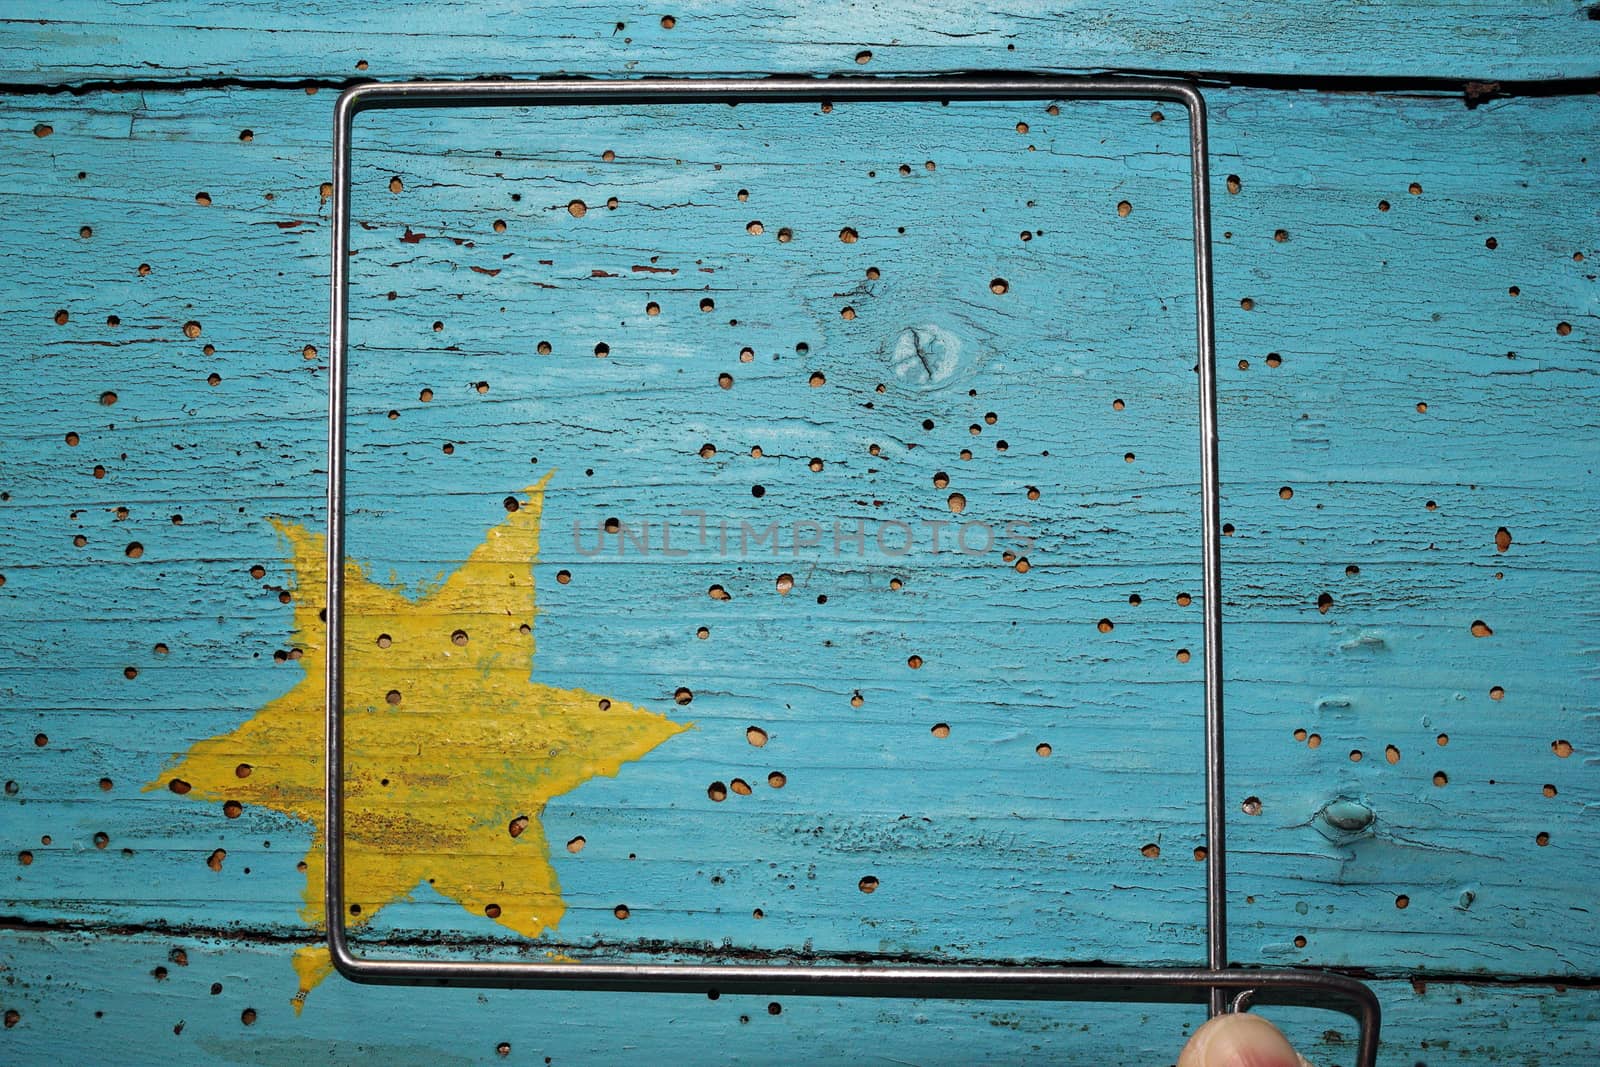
x=1472 y=91
x=614 y=949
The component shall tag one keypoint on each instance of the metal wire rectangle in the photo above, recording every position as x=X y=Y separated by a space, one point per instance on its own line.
x=1210 y=983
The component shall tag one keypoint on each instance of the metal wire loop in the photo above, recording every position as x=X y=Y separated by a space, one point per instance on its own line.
x=1209 y=984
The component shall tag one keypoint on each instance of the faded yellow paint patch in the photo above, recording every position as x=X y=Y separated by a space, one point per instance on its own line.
x=312 y=964
x=451 y=749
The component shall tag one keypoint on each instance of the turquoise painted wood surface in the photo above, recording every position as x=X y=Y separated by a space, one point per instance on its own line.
x=1407 y=342
x=75 y=41
x=147 y=999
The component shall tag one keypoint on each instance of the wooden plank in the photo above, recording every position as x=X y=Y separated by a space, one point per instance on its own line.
x=982 y=848
x=149 y=998
x=76 y=41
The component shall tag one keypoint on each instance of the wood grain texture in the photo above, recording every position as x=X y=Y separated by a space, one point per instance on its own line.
x=151 y=999
x=72 y=41
x=983 y=848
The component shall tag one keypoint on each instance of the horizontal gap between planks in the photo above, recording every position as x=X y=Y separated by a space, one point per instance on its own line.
x=1472 y=91
x=730 y=954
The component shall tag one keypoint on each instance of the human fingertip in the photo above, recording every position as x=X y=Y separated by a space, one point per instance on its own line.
x=1239 y=1039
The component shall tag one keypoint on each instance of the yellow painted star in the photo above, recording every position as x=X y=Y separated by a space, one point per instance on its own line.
x=451 y=750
